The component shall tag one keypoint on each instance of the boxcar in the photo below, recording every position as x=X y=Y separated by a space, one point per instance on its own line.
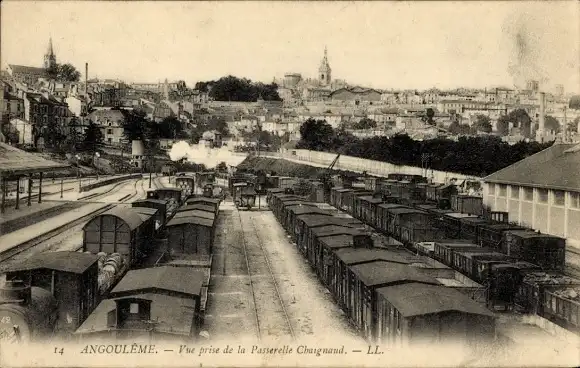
x=119 y=230
x=198 y=206
x=366 y=208
x=173 y=196
x=362 y=283
x=330 y=246
x=463 y=203
x=214 y=202
x=451 y=223
x=491 y=235
x=292 y=211
x=444 y=250
x=474 y=262
x=470 y=227
x=350 y=197
x=190 y=235
x=313 y=249
x=195 y=213
x=271 y=192
x=422 y=313
x=431 y=191
x=383 y=216
x=286 y=204
x=159 y=205
x=544 y=250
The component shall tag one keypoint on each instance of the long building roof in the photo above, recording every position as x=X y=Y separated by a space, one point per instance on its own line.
x=14 y=161
x=553 y=168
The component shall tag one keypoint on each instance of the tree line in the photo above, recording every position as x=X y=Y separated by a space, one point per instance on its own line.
x=478 y=156
x=231 y=88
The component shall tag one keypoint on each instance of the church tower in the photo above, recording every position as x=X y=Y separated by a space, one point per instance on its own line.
x=49 y=57
x=324 y=72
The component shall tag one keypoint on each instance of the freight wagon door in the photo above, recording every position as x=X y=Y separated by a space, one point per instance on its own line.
x=452 y=327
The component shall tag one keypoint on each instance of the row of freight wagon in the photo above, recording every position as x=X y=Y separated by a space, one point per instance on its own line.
x=132 y=258
x=384 y=294
x=520 y=267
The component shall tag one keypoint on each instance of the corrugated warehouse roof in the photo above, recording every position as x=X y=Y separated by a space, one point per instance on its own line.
x=376 y=273
x=74 y=262
x=16 y=161
x=552 y=168
x=415 y=299
x=178 y=279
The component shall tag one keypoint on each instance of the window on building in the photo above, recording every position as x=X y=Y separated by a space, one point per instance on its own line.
x=542 y=195
x=109 y=131
x=558 y=198
x=134 y=308
x=529 y=194
x=515 y=192
x=492 y=189
x=575 y=200
x=502 y=190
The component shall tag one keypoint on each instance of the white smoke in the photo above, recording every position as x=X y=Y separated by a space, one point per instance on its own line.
x=201 y=154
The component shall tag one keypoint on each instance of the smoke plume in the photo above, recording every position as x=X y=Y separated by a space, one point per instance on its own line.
x=524 y=37
x=200 y=154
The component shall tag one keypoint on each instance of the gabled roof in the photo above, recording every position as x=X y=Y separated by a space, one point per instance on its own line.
x=415 y=299
x=552 y=168
x=27 y=69
x=377 y=273
x=178 y=279
x=190 y=220
x=195 y=213
x=362 y=255
x=129 y=216
x=197 y=206
x=74 y=262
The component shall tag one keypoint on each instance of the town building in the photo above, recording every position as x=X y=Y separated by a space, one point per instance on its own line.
x=356 y=94
x=31 y=74
x=111 y=124
x=541 y=191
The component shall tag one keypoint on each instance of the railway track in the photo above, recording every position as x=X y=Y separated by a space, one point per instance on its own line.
x=24 y=246
x=271 y=316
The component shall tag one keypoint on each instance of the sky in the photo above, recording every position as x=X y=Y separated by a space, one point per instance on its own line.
x=415 y=45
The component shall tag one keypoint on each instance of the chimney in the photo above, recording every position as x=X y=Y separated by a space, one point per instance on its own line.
x=541 y=126
x=86 y=78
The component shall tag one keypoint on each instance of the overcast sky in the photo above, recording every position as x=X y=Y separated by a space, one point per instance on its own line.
x=378 y=44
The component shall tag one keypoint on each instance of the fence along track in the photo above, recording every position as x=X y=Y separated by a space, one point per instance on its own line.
x=271 y=273
x=60 y=229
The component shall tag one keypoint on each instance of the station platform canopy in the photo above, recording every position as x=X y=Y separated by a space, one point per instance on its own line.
x=14 y=161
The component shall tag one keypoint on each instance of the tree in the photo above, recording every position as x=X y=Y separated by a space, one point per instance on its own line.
x=365 y=123
x=550 y=123
x=573 y=126
x=502 y=125
x=134 y=124
x=574 y=103
x=315 y=135
x=482 y=124
x=64 y=72
x=170 y=127
x=459 y=129
x=222 y=167
x=231 y=88
x=93 y=137
x=430 y=113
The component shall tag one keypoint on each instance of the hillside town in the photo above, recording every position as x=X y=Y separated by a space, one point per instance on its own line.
x=36 y=104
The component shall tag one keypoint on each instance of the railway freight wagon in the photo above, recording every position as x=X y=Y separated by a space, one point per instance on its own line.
x=120 y=230
x=185 y=183
x=462 y=203
x=563 y=307
x=422 y=313
x=64 y=276
x=541 y=249
x=26 y=313
x=157 y=204
x=213 y=202
x=531 y=296
x=190 y=235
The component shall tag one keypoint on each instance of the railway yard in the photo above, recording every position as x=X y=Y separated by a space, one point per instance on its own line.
x=182 y=262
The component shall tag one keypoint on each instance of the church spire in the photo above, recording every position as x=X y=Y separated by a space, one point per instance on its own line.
x=49 y=57
x=324 y=72
x=50 y=50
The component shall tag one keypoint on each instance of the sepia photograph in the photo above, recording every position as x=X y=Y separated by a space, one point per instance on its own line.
x=289 y=183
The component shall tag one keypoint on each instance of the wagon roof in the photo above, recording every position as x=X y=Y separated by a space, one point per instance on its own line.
x=460 y=215
x=190 y=220
x=406 y=210
x=299 y=209
x=197 y=206
x=165 y=190
x=179 y=279
x=415 y=299
x=150 y=200
x=203 y=199
x=475 y=220
x=456 y=245
x=371 y=199
x=481 y=252
x=377 y=273
x=335 y=229
x=360 y=255
x=276 y=190
x=195 y=213
x=294 y=202
x=391 y=205
x=316 y=219
x=501 y=226
x=343 y=190
x=127 y=215
x=530 y=234
x=74 y=262
x=145 y=211
x=337 y=241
